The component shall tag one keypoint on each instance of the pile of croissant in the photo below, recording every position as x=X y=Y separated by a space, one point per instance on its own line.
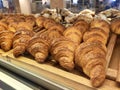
x=81 y=45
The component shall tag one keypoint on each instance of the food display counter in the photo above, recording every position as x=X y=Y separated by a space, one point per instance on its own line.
x=53 y=77
x=61 y=50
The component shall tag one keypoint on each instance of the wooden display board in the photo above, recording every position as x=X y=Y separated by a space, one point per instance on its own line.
x=57 y=4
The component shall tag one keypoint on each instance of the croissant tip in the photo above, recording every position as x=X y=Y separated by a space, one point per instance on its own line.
x=98 y=81
x=39 y=57
x=66 y=65
x=17 y=51
x=97 y=76
x=39 y=60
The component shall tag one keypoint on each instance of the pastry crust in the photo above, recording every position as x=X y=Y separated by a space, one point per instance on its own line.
x=91 y=56
x=6 y=39
x=3 y=26
x=30 y=19
x=95 y=34
x=24 y=25
x=38 y=48
x=97 y=75
x=62 y=50
x=115 y=26
x=81 y=25
x=74 y=34
x=58 y=27
x=99 y=23
x=20 y=41
x=49 y=23
x=39 y=21
x=86 y=47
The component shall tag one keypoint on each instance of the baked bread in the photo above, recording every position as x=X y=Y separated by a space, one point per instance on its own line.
x=49 y=23
x=74 y=34
x=91 y=56
x=6 y=39
x=115 y=25
x=24 y=25
x=95 y=34
x=81 y=25
x=58 y=27
x=20 y=41
x=62 y=50
x=3 y=25
x=99 y=23
x=12 y=26
x=30 y=19
x=38 y=48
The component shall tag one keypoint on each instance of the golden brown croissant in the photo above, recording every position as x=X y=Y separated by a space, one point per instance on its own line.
x=53 y=35
x=13 y=26
x=38 y=48
x=6 y=39
x=49 y=34
x=91 y=56
x=14 y=18
x=49 y=23
x=24 y=25
x=115 y=26
x=58 y=27
x=20 y=19
x=10 y=19
x=40 y=21
x=20 y=41
x=81 y=25
x=42 y=40
x=74 y=34
x=3 y=25
x=99 y=23
x=96 y=34
x=30 y=19
x=62 y=50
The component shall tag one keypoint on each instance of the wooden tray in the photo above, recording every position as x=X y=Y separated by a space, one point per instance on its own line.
x=74 y=79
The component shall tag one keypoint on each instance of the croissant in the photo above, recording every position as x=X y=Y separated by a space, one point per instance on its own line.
x=24 y=25
x=81 y=25
x=30 y=19
x=58 y=27
x=9 y=19
x=13 y=26
x=49 y=35
x=49 y=23
x=6 y=39
x=62 y=50
x=115 y=26
x=3 y=25
x=74 y=34
x=95 y=34
x=38 y=48
x=20 y=18
x=20 y=41
x=91 y=57
x=91 y=54
x=39 y=21
x=99 y=23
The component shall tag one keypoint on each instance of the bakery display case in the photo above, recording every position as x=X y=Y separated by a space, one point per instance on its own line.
x=62 y=50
